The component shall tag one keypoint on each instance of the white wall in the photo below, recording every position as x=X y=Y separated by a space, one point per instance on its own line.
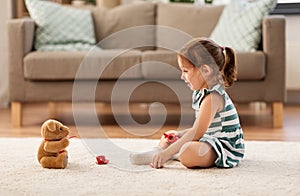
x=293 y=52
x=5 y=14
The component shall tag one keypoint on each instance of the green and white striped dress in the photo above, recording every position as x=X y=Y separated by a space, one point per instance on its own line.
x=224 y=134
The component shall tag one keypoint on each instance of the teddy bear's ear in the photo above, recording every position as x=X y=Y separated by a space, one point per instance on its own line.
x=51 y=126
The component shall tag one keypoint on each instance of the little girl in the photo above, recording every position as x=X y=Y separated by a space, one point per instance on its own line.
x=216 y=138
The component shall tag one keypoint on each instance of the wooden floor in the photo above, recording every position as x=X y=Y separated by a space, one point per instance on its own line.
x=255 y=119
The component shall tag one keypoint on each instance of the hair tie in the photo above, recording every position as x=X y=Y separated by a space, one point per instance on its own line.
x=224 y=50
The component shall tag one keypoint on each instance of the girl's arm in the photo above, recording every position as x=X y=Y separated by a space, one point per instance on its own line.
x=211 y=104
x=182 y=132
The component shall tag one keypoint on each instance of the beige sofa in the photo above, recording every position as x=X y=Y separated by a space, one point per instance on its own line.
x=49 y=76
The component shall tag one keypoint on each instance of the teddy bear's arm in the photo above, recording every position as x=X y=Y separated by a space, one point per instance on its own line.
x=55 y=146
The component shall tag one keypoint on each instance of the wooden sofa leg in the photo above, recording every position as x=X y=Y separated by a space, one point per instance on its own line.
x=277 y=110
x=16 y=114
x=52 y=109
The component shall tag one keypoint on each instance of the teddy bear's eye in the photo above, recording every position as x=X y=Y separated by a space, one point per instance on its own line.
x=60 y=128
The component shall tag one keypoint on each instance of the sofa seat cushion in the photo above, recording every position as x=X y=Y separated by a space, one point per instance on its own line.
x=63 y=65
x=160 y=64
x=250 y=65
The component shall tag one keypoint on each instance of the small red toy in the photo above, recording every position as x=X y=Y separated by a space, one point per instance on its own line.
x=171 y=137
x=101 y=160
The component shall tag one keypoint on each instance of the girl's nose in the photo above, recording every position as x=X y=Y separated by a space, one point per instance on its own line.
x=182 y=76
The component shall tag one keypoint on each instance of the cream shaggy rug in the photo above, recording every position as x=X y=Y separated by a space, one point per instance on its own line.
x=269 y=168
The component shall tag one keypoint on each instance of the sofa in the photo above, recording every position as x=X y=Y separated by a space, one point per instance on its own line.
x=147 y=56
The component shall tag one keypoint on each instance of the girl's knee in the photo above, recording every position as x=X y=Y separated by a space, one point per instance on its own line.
x=185 y=155
x=194 y=154
x=184 y=150
x=187 y=161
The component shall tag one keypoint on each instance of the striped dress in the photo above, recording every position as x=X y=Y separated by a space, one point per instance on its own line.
x=224 y=134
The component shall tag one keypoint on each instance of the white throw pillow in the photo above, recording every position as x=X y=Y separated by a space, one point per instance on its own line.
x=60 y=27
x=240 y=24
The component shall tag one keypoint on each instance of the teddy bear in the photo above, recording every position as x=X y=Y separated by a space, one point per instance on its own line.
x=52 y=153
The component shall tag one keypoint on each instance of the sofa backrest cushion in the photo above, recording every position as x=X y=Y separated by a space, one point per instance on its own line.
x=197 y=21
x=125 y=26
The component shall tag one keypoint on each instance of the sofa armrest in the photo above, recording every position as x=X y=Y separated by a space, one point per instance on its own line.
x=274 y=47
x=20 y=42
x=24 y=28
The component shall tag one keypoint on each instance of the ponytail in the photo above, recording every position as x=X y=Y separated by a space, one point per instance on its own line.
x=229 y=68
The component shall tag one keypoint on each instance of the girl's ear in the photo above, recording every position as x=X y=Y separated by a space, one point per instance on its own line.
x=206 y=70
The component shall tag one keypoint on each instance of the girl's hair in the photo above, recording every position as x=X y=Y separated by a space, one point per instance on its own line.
x=203 y=51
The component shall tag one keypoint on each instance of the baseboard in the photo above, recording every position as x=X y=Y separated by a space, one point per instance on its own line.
x=293 y=97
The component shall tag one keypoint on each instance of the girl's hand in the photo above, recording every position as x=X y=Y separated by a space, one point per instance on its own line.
x=163 y=144
x=179 y=134
x=160 y=158
x=171 y=132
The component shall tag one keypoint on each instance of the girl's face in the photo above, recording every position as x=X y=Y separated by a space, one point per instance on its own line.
x=191 y=75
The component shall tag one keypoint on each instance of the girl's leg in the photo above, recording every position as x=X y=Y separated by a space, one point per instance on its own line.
x=197 y=154
x=145 y=158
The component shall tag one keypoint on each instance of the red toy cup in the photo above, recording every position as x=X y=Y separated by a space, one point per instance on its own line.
x=172 y=137
x=101 y=160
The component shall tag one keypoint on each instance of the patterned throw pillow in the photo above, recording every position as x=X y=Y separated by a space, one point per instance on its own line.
x=240 y=24
x=60 y=27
